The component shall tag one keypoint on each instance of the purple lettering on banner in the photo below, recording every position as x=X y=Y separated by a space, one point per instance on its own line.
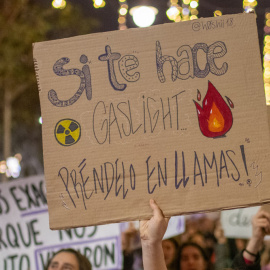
x=34 y=213
x=76 y=245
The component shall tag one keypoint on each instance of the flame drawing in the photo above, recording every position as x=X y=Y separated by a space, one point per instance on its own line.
x=215 y=117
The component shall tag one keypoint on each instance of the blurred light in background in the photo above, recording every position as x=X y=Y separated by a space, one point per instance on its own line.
x=99 y=3
x=11 y=167
x=249 y=5
x=40 y=120
x=185 y=11
x=174 y=11
x=123 y=10
x=217 y=13
x=188 y=10
x=193 y=17
x=266 y=58
x=143 y=16
x=59 y=4
x=193 y=4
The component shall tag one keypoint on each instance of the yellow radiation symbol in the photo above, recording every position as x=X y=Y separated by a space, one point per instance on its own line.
x=67 y=132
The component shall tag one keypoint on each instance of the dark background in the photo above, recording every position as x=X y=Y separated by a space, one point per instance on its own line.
x=108 y=15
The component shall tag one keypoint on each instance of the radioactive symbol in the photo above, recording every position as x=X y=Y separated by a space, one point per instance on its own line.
x=67 y=132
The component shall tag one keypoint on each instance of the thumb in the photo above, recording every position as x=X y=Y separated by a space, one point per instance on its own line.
x=156 y=210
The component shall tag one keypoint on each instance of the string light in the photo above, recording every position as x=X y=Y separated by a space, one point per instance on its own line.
x=193 y=5
x=59 y=4
x=143 y=16
x=266 y=58
x=193 y=17
x=186 y=2
x=249 y=5
x=188 y=11
x=174 y=11
x=217 y=13
x=123 y=10
x=99 y=3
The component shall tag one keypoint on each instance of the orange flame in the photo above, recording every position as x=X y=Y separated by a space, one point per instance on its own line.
x=216 y=120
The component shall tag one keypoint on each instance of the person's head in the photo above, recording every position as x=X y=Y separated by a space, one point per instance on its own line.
x=68 y=259
x=240 y=243
x=198 y=238
x=170 y=249
x=192 y=257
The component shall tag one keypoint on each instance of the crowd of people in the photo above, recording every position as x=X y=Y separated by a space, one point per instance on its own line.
x=202 y=246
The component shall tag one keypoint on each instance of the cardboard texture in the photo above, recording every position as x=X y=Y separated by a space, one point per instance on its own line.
x=174 y=112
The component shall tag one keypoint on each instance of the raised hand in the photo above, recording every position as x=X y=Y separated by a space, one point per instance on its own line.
x=152 y=232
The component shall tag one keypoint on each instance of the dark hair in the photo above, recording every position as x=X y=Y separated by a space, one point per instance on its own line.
x=174 y=263
x=84 y=263
x=175 y=243
x=198 y=247
x=191 y=237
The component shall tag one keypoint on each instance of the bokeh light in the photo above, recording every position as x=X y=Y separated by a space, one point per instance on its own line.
x=123 y=10
x=59 y=4
x=172 y=13
x=249 y=5
x=194 y=4
x=266 y=59
x=11 y=166
x=99 y=3
x=217 y=13
x=143 y=16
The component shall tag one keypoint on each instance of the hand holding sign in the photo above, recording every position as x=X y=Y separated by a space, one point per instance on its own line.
x=250 y=256
x=260 y=227
x=152 y=232
x=261 y=224
x=154 y=229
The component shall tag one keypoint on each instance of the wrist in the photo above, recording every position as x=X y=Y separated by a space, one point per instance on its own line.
x=254 y=245
x=151 y=243
x=151 y=248
x=250 y=253
x=252 y=249
x=153 y=256
x=249 y=257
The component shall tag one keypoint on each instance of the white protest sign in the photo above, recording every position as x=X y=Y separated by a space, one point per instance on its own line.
x=236 y=223
x=26 y=242
x=176 y=226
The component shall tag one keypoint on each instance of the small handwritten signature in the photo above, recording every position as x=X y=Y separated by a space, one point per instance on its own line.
x=212 y=24
x=258 y=173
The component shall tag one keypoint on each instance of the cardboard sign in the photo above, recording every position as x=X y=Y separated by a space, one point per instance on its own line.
x=237 y=223
x=174 y=112
x=28 y=243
